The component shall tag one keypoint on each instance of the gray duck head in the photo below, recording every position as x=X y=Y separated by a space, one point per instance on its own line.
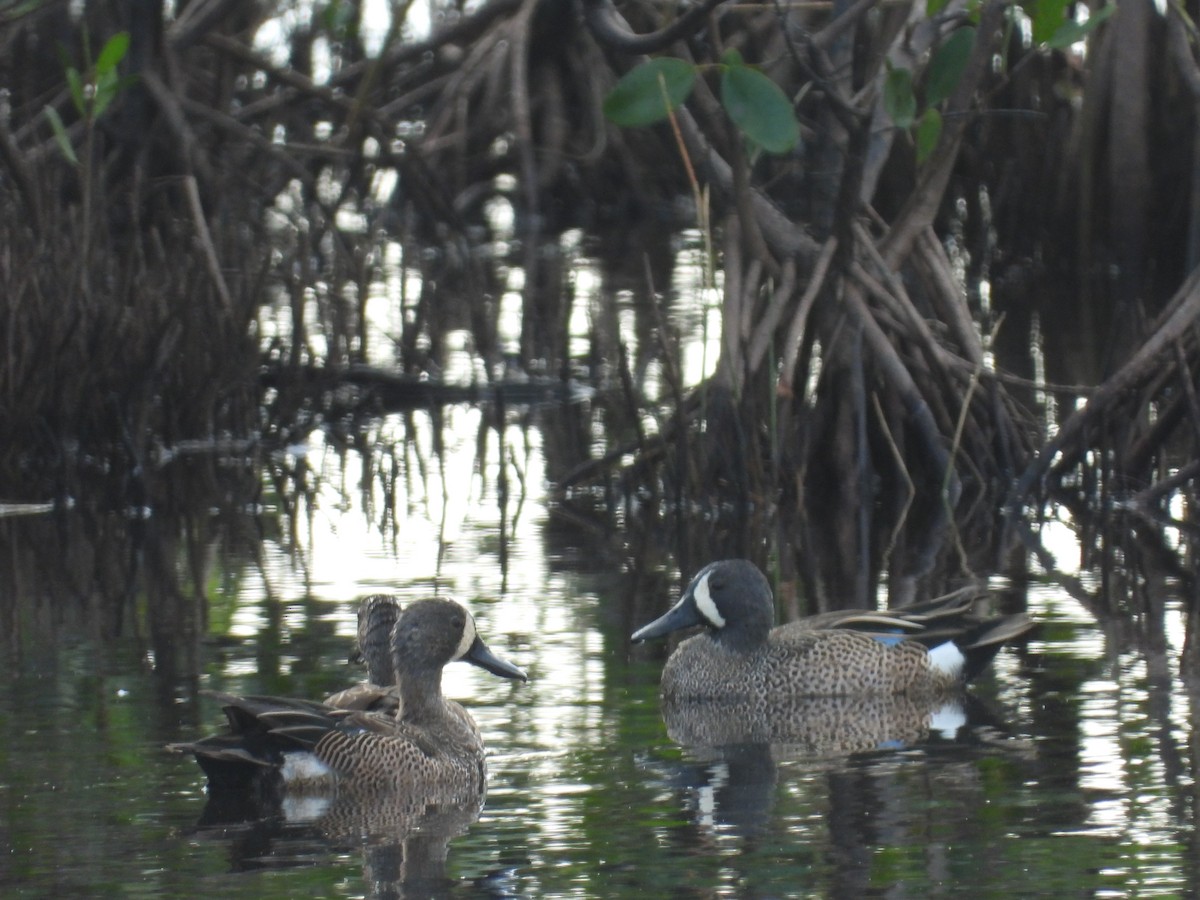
x=730 y=597
x=433 y=633
x=377 y=615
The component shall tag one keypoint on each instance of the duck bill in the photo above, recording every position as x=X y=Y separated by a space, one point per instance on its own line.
x=480 y=655
x=683 y=614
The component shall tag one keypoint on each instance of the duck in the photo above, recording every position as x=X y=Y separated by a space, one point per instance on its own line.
x=429 y=743
x=923 y=650
x=377 y=615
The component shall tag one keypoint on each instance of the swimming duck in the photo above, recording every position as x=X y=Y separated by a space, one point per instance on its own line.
x=429 y=742
x=921 y=650
x=377 y=615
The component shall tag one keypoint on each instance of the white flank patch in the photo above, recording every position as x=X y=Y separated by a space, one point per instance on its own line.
x=304 y=808
x=947 y=658
x=706 y=797
x=704 y=603
x=303 y=766
x=706 y=805
x=468 y=637
x=947 y=719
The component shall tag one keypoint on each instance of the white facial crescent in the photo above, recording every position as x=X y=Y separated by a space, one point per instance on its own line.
x=468 y=637
x=704 y=603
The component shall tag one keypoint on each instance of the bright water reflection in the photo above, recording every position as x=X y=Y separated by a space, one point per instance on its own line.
x=1076 y=777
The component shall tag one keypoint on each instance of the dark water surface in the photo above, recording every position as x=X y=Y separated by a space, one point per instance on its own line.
x=1074 y=774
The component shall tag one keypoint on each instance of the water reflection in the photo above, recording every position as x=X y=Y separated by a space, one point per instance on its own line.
x=403 y=839
x=735 y=785
x=780 y=818
x=817 y=726
x=1082 y=779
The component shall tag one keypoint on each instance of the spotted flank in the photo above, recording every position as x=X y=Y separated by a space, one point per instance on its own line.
x=922 y=650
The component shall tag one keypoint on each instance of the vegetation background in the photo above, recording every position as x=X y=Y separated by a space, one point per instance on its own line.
x=941 y=255
x=952 y=246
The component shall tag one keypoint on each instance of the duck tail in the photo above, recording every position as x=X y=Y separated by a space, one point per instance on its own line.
x=982 y=643
x=262 y=730
x=962 y=654
x=230 y=762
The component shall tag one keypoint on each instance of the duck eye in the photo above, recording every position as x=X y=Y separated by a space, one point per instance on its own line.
x=457 y=622
x=716 y=584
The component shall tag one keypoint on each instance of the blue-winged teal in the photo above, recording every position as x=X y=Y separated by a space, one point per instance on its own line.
x=920 y=650
x=430 y=741
x=377 y=615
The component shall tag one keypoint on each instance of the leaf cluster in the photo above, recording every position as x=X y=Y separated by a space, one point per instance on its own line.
x=93 y=90
x=754 y=103
x=1051 y=28
x=652 y=91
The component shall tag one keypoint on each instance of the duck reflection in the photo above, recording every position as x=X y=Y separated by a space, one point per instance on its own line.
x=739 y=746
x=816 y=726
x=404 y=837
x=732 y=788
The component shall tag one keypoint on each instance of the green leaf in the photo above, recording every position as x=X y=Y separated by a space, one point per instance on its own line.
x=1072 y=32
x=929 y=129
x=732 y=57
x=108 y=86
x=646 y=95
x=339 y=19
x=105 y=91
x=112 y=53
x=899 y=102
x=1046 y=16
x=75 y=86
x=933 y=7
x=759 y=108
x=946 y=67
x=60 y=135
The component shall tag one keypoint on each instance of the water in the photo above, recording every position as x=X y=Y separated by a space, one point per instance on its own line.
x=1075 y=774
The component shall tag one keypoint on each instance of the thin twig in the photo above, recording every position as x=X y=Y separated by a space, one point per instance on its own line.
x=764 y=334
x=795 y=335
x=898 y=457
x=206 y=242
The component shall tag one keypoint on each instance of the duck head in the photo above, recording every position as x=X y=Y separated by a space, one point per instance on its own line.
x=432 y=633
x=730 y=597
x=377 y=615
